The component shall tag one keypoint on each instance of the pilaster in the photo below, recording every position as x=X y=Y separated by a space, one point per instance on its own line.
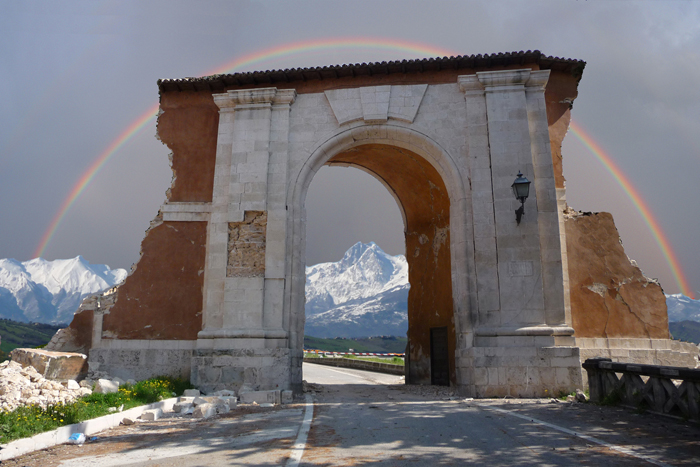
x=486 y=253
x=547 y=208
x=519 y=265
x=247 y=232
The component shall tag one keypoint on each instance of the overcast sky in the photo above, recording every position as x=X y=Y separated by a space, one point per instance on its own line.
x=74 y=75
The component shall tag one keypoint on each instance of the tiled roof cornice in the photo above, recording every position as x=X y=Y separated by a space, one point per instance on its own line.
x=218 y=83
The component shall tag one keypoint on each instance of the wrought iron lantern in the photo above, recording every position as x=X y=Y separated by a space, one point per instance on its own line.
x=521 y=190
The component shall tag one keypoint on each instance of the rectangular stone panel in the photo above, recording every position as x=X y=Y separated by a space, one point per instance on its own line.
x=246 y=245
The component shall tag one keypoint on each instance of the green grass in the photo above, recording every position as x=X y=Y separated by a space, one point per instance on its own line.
x=688 y=331
x=389 y=344
x=30 y=420
x=392 y=360
x=15 y=334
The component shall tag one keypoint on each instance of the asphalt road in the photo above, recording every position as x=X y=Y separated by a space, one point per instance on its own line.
x=359 y=423
x=363 y=418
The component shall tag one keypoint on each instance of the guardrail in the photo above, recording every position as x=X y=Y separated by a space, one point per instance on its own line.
x=661 y=389
x=364 y=354
x=377 y=367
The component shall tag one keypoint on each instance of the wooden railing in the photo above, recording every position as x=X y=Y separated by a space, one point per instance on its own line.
x=661 y=389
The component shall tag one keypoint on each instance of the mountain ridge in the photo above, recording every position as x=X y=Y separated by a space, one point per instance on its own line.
x=50 y=292
x=682 y=308
x=363 y=294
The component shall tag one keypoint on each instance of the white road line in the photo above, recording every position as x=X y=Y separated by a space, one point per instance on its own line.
x=300 y=444
x=614 y=447
x=346 y=373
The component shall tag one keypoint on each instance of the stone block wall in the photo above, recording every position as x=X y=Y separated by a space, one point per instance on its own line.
x=520 y=371
x=139 y=360
x=259 y=369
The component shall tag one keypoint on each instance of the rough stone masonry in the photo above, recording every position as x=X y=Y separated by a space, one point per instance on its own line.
x=495 y=307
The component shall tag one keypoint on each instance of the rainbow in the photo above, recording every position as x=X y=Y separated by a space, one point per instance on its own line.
x=639 y=204
x=244 y=61
x=90 y=174
x=355 y=43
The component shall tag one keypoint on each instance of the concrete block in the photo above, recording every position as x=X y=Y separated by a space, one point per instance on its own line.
x=199 y=401
x=260 y=397
x=58 y=366
x=191 y=393
x=287 y=397
x=204 y=411
x=71 y=384
x=181 y=407
x=105 y=386
x=152 y=415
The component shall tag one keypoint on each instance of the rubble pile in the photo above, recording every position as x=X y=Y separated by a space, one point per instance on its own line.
x=26 y=386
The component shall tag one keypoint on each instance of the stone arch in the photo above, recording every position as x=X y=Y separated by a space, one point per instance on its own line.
x=350 y=146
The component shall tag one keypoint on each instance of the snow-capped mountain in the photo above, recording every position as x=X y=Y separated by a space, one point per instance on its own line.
x=44 y=291
x=682 y=308
x=364 y=294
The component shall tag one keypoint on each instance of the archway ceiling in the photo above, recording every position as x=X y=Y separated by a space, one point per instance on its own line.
x=417 y=185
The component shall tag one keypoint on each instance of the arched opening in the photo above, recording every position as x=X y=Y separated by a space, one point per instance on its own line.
x=424 y=203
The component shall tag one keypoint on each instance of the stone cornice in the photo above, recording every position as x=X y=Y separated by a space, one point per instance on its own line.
x=504 y=80
x=470 y=85
x=538 y=80
x=254 y=98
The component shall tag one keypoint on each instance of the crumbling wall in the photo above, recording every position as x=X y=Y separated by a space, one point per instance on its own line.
x=162 y=298
x=77 y=337
x=246 y=246
x=561 y=91
x=188 y=125
x=610 y=296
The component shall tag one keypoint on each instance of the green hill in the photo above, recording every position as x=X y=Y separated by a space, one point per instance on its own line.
x=390 y=344
x=15 y=334
x=688 y=331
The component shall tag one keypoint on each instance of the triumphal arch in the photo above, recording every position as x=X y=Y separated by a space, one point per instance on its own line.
x=218 y=295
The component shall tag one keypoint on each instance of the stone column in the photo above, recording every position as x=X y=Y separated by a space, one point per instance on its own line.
x=547 y=209
x=246 y=248
x=486 y=256
x=519 y=265
x=244 y=277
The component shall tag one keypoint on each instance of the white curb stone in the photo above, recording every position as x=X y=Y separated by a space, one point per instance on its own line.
x=88 y=427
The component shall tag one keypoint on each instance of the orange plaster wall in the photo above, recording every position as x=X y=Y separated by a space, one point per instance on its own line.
x=426 y=203
x=610 y=297
x=561 y=90
x=189 y=127
x=81 y=330
x=162 y=298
